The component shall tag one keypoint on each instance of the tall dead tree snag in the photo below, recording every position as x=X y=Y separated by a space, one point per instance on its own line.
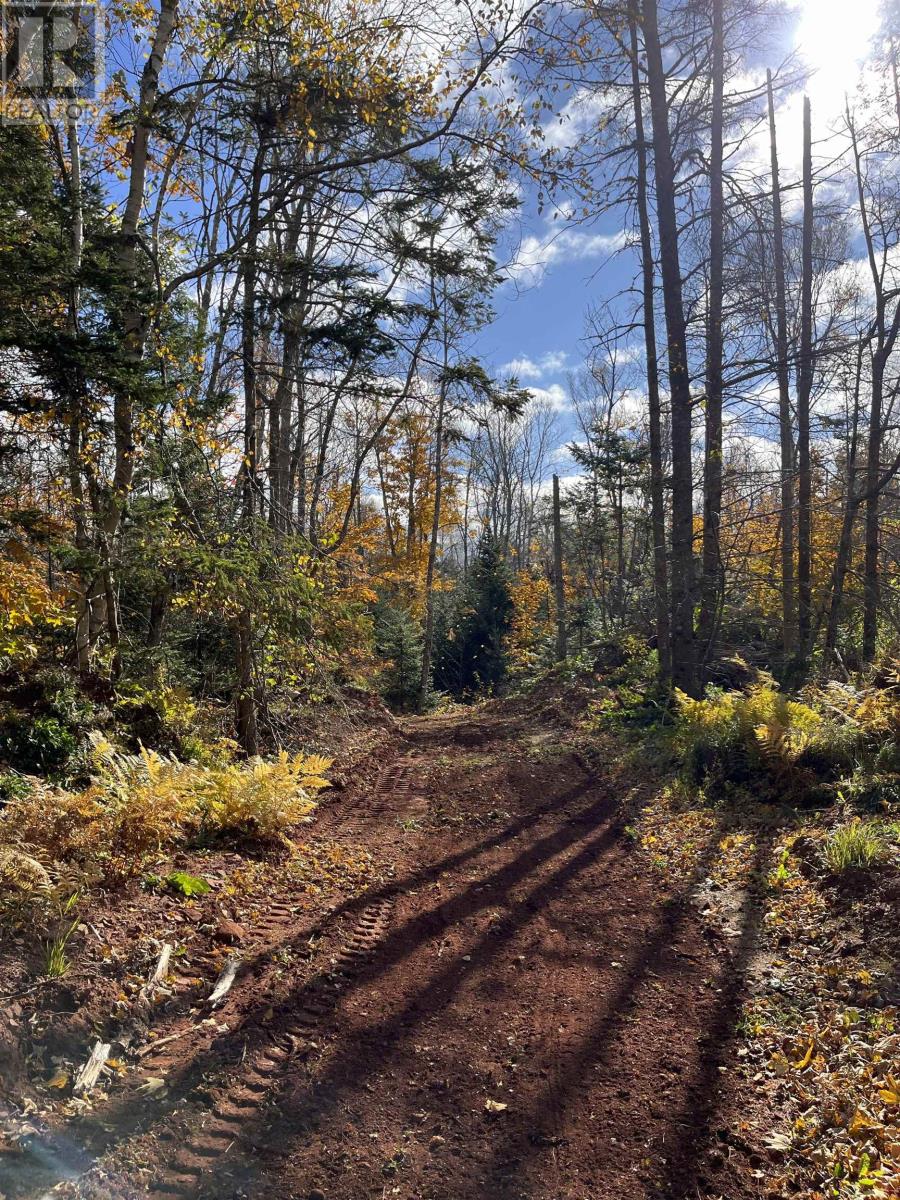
x=684 y=662
x=883 y=334
x=558 y=579
x=712 y=580
x=804 y=391
x=782 y=372
x=657 y=489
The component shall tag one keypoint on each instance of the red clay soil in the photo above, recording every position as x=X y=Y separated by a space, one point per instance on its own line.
x=517 y=1011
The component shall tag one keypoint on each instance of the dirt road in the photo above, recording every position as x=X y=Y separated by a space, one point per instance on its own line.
x=517 y=1011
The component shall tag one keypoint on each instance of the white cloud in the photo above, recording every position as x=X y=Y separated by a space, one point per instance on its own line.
x=524 y=368
x=563 y=453
x=579 y=116
x=554 y=396
x=536 y=254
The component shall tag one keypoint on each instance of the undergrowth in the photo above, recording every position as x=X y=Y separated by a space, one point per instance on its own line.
x=857 y=845
x=53 y=840
x=779 y=813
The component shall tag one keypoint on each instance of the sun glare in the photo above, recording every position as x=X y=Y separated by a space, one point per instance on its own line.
x=833 y=37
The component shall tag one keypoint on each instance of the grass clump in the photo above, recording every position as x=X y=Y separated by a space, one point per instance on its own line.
x=56 y=959
x=857 y=845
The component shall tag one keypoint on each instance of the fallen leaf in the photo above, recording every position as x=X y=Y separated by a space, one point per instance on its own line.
x=861 y=1125
x=152 y=1085
x=779 y=1141
x=802 y=1063
x=495 y=1106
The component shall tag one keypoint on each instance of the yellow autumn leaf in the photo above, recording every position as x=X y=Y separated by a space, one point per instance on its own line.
x=861 y=1125
x=802 y=1063
x=494 y=1106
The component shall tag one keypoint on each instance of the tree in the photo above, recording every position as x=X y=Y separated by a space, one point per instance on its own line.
x=785 y=424
x=398 y=641
x=684 y=662
x=657 y=495
x=712 y=581
x=472 y=658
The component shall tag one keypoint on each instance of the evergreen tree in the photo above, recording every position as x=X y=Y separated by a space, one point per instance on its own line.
x=398 y=641
x=472 y=655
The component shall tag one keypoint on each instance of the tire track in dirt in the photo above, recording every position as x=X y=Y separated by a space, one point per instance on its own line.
x=277 y=1032
x=235 y=1114
x=533 y=1024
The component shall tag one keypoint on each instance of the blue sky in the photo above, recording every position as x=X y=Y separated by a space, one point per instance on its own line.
x=562 y=270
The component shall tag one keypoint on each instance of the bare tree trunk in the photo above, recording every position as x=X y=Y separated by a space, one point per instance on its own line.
x=713 y=583
x=657 y=491
x=789 y=607
x=245 y=689
x=884 y=340
x=250 y=465
x=804 y=391
x=559 y=583
x=159 y=607
x=298 y=459
x=871 y=580
x=428 y=627
x=280 y=508
x=245 y=693
x=851 y=504
x=684 y=665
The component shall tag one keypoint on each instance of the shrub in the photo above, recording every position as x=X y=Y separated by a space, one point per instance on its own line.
x=40 y=744
x=858 y=844
x=261 y=798
x=162 y=715
x=731 y=735
x=874 y=792
x=12 y=786
x=832 y=747
x=887 y=758
x=60 y=696
x=138 y=804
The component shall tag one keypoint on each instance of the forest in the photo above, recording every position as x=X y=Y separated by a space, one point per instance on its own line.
x=433 y=763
